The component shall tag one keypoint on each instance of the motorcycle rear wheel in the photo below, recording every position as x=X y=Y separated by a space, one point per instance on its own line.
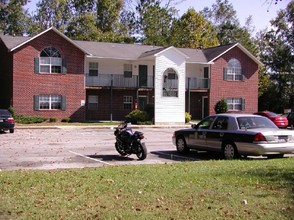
x=141 y=151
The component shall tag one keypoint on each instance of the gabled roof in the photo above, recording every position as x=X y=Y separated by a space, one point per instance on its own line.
x=214 y=53
x=12 y=43
x=131 y=51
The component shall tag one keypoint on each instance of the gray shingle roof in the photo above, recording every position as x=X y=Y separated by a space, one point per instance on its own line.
x=11 y=42
x=115 y=50
x=213 y=52
x=131 y=51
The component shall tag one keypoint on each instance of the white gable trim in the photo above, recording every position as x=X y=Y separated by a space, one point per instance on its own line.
x=241 y=48
x=171 y=48
x=56 y=31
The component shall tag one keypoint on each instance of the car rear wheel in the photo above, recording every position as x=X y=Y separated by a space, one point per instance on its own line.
x=230 y=151
x=181 y=145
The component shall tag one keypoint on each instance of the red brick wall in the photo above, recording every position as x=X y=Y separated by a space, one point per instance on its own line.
x=26 y=83
x=118 y=111
x=247 y=89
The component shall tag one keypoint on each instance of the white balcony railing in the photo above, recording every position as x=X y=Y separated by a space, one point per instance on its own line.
x=117 y=80
x=197 y=83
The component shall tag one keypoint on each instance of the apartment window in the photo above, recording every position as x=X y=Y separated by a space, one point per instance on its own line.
x=49 y=102
x=234 y=70
x=93 y=69
x=128 y=70
x=235 y=104
x=92 y=102
x=50 y=61
x=170 y=83
x=128 y=102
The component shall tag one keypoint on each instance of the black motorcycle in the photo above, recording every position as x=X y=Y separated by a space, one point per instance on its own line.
x=129 y=142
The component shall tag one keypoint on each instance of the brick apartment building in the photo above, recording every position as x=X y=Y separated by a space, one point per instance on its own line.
x=53 y=76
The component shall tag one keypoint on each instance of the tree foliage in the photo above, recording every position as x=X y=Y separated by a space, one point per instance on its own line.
x=192 y=31
x=277 y=53
x=226 y=25
x=14 y=19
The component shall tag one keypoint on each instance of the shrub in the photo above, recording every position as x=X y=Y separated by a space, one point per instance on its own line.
x=221 y=106
x=29 y=119
x=65 y=120
x=188 y=117
x=137 y=116
x=12 y=112
x=52 y=119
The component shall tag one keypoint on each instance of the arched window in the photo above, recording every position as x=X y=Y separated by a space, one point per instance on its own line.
x=234 y=70
x=50 y=61
x=170 y=83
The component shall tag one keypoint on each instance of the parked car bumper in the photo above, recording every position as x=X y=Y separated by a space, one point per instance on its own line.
x=6 y=126
x=265 y=148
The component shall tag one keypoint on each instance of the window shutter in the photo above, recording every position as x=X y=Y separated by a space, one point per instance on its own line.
x=243 y=104
x=36 y=64
x=225 y=74
x=64 y=66
x=36 y=102
x=243 y=74
x=63 y=103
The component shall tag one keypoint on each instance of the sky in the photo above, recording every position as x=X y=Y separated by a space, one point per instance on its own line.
x=260 y=10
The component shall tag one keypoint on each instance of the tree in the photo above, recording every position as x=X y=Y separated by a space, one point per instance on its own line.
x=52 y=13
x=153 y=22
x=226 y=26
x=277 y=53
x=14 y=19
x=192 y=31
x=108 y=14
x=221 y=12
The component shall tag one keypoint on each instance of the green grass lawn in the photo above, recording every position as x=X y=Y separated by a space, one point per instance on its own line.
x=216 y=189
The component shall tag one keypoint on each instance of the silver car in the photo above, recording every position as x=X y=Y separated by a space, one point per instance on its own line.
x=234 y=135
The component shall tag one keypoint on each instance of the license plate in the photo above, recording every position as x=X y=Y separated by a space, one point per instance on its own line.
x=1 y=120
x=282 y=139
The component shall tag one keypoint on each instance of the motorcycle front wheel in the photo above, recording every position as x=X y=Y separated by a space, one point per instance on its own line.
x=141 y=151
x=119 y=148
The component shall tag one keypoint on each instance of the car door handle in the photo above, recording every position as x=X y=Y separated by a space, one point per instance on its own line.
x=221 y=134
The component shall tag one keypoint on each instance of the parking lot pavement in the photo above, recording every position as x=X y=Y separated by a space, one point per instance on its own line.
x=79 y=147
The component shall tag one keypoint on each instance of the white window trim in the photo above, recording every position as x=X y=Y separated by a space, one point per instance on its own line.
x=51 y=100
x=128 y=100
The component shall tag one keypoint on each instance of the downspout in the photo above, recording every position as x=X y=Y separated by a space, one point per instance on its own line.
x=111 y=84
x=189 y=95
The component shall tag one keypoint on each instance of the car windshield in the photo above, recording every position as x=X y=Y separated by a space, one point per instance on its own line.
x=249 y=122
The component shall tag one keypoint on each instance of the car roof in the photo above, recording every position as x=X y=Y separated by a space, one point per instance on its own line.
x=236 y=115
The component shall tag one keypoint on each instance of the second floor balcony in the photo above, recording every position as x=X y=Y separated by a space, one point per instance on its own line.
x=117 y=80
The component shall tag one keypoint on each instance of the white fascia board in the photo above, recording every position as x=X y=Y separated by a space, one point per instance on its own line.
x=56 y=31
x=171 y=48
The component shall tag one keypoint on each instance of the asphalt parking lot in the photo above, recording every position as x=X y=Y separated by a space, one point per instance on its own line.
x=67 y=147
x=79 y=147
